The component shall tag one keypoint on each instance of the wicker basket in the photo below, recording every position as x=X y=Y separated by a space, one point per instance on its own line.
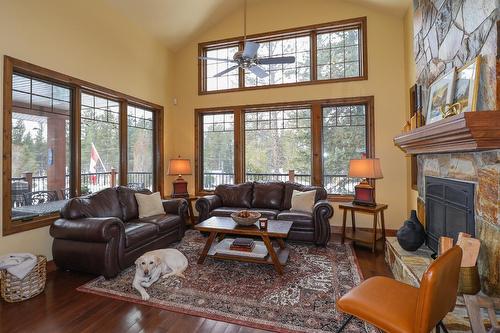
x=16 y=290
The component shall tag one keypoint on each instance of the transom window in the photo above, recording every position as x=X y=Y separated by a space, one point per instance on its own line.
x=327 y=52
x=313 y=139
x=64 y=137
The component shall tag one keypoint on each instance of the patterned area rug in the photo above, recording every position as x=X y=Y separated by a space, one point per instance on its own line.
x=302 y=300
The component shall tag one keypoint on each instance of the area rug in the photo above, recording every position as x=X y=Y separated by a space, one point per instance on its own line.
x=301 y=300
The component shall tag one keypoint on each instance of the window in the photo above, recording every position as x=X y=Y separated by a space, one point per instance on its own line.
x=300 y=71
x=338 y=54
x=64 y=137
x=277 y=141
x=329 y=52
x=41 y=134
x=344 y=138
x=100 y=143
x=226 y=81
x=316 y=139
x=140 y=147
x=218 y=149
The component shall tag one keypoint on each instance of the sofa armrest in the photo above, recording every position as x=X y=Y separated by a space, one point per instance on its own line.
x=322 y=212
x=177 y=206
x=90 y=229
x=206 y=204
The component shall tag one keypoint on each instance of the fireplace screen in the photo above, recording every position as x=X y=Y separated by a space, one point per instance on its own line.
x=449 y=206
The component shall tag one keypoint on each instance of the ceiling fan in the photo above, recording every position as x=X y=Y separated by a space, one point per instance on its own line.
x=248 y=59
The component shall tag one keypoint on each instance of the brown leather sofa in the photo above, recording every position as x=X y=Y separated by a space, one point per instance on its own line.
x=102 y=234
x=272 y=200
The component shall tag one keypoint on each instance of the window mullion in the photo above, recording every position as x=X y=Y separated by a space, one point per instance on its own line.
x=239 y=143
x=316 y=128
x=314 y=56
x=123 y=143
x=76 y=168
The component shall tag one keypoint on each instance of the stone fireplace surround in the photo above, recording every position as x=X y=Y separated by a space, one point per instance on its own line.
x=483 y=169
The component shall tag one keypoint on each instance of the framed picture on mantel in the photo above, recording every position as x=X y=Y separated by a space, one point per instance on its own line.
x=466 y=85
x=440 y=93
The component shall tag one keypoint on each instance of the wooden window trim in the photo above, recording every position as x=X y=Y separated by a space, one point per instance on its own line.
x=316 y=129
x=77 y=86
x=310 y=30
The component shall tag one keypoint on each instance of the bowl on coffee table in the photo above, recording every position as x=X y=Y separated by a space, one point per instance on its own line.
x=245 y=218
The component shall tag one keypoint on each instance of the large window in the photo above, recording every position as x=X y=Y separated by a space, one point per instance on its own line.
x=277 y=141
x=329 y=52
x=218 y=149
x=64 y=137
x=316 y=139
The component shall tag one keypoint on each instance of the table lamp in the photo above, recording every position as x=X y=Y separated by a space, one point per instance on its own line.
x=179 y=166
x=368 y=168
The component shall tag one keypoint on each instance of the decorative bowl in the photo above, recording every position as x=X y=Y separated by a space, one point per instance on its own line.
x=248 y=220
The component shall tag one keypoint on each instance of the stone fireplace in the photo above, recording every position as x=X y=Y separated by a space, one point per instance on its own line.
x=483 y=170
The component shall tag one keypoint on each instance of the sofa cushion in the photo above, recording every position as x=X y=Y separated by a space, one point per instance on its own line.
x=126 y=196
x=139 y=233
x=301 y=220
x=225 y=211
x=289 y=187
x=270 y=214
x=165 y=222
x=239 y=195
x=268 y=195
x=104 y=203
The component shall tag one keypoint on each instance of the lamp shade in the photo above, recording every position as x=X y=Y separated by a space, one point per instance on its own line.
x=365 y=168
x=179 y=166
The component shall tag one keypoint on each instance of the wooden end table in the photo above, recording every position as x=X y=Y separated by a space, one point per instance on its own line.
x=361 y=236
x=190 y=200
x=221 y=226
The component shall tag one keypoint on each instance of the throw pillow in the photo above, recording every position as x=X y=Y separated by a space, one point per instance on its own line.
x=149 y=204
x=303 y=201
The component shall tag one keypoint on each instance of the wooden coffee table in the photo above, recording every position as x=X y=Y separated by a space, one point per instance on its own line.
x=221 y=226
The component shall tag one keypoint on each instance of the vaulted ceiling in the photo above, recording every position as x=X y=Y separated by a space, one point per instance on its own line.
x=177 y=21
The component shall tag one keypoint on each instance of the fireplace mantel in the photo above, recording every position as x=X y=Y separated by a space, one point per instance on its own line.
x=468 y=131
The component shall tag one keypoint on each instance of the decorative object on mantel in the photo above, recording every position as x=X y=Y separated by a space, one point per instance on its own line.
x=179 y=166
x=467 y=85
x=368 y=168
x=412 y=234
x=464 y=132
x=440 y=94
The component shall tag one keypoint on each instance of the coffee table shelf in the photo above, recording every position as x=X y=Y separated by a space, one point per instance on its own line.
x=281 y=253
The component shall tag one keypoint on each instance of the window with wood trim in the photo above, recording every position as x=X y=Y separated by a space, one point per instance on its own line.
x=316 y=139
x=330 y=52
x=64 y=137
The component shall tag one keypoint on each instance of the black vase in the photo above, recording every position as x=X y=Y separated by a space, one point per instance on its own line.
x=412 y=234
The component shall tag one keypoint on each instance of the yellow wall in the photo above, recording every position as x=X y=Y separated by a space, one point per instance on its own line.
x=87 y=40
x=386 y=71
x=410 y=77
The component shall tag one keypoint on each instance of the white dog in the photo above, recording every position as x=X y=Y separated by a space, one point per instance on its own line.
x=151 y=265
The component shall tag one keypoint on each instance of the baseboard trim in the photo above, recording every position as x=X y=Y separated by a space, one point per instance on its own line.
x=335 y=229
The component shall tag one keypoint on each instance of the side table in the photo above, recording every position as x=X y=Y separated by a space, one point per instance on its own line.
x=366 y=237
x=190 y=200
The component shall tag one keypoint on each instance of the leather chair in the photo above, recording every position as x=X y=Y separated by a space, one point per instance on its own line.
x=393 y=306
x=272 y=200
x=102 y=233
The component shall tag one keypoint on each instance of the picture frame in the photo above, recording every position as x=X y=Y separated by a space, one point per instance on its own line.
x=441 y=92
x=467 y=85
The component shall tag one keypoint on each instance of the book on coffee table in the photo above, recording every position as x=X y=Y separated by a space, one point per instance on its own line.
x=224 y=247
x=242 y=244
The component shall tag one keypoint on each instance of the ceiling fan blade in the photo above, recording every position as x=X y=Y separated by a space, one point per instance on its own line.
x=250 y=50
x=217 y=59
x=258 y=71
x=275 y=60
x=226 y=71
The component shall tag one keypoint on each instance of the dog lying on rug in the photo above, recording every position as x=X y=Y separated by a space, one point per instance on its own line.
x=153 y=264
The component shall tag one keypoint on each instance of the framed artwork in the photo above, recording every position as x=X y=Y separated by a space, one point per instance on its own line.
x=440 y=93
x=466 y=85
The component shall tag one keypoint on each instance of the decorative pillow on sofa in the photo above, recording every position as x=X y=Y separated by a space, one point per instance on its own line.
x=149 y=204
x=303 y=201
x=239 y=195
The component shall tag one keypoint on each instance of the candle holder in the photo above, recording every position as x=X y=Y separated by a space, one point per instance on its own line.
x=263 y=223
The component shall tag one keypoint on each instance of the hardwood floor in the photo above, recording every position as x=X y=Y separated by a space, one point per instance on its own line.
x=63 y=309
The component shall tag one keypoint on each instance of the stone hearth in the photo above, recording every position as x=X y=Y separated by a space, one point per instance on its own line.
x=483 y=169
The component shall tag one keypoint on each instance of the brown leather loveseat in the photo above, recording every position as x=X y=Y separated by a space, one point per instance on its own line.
x=272 y=200
x=102 y=234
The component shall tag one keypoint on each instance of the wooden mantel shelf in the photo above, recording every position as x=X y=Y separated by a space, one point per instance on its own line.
x=467 y=131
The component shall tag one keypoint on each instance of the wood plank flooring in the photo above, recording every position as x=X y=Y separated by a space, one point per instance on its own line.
x=63 y=309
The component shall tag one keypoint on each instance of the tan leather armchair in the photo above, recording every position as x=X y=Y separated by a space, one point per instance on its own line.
x=394 y=306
